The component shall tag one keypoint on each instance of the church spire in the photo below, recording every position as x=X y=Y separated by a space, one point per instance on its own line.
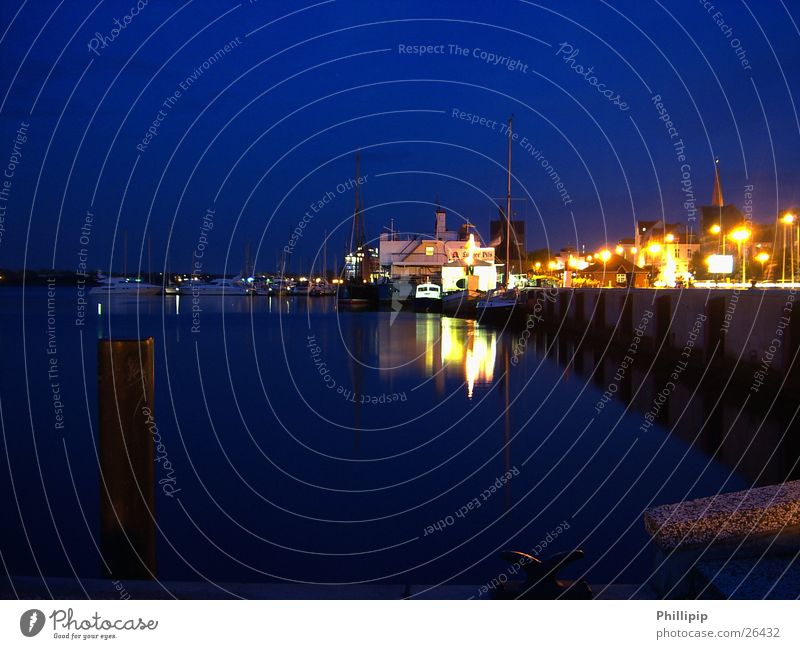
x=716 y=196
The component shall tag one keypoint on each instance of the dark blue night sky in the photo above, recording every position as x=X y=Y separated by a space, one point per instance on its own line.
x=271 y=124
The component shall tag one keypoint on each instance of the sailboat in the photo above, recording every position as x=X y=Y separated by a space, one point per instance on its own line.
x=502 y=303
x=112 y=286
x=357 y=290
x=222 y=286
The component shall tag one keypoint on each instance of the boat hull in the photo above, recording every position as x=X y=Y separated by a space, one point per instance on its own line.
x=114 y=292
x=460 y=303
x=495 y=314
x=501 y=308
x=427 y=305
x=357 y=295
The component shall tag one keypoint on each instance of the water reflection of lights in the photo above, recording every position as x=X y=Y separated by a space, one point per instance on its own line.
x=476 y=348
x=479 y=363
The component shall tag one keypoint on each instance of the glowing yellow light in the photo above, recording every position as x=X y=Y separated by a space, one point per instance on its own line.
x=588 y=258
x=670 y=238
x=715 y=229
x=470 y=248
x=788 y=218
x=740 y=234
x=619 y=250
x=634 y=250
x=654 y=248
x=605 y=255
x=552 y=265
x=762 y=257
x=537 y=265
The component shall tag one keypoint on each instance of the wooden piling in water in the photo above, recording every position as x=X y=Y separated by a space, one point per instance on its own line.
x=125 y=378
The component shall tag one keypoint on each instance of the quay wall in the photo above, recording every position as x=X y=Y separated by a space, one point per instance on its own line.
x=745 y=329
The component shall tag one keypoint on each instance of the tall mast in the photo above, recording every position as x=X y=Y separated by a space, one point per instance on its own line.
x=357 y=233
x=356 y=238
x=508 y=206
x=325 y=256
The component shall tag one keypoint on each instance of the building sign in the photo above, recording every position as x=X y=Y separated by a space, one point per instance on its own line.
x=461 y=251
x=720 y=264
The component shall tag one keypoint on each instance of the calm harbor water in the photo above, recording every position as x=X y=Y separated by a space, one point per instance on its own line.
x=334 y=447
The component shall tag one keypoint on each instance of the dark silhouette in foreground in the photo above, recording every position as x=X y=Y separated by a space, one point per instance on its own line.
x=541 y=579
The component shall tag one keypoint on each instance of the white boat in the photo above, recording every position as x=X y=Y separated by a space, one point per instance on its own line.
x=321 y=289
x=221 y=286
x=123 y=286
x=299 y=289
x=428 y=297
x=280 y=287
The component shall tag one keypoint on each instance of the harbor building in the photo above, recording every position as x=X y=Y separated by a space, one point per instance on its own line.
x=667 y=249
x=616 y=272
x=446 y=257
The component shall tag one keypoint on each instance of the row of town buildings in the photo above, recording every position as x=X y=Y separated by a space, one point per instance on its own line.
x=726 y=245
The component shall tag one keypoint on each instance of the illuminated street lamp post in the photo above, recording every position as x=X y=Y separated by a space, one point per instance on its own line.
x=788 y=220
x=605 y=255
x=762 y=257
x=740 y=235
x=717 y=230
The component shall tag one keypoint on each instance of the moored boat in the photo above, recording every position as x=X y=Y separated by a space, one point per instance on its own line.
x=222 y=286
x=300 y=289
x=123 y=286
x=462 y=302
x=356 y=294
x=500 y=305
x=322 y=289
x=428 y=298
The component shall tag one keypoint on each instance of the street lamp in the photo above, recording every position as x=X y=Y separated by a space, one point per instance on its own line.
x=788 y=220
x=605 y=255
x=716 y=229
x=762 y=257
x=654 y=249
x=740 y=235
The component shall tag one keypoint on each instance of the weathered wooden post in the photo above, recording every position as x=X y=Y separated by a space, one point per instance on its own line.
x=125 y=377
